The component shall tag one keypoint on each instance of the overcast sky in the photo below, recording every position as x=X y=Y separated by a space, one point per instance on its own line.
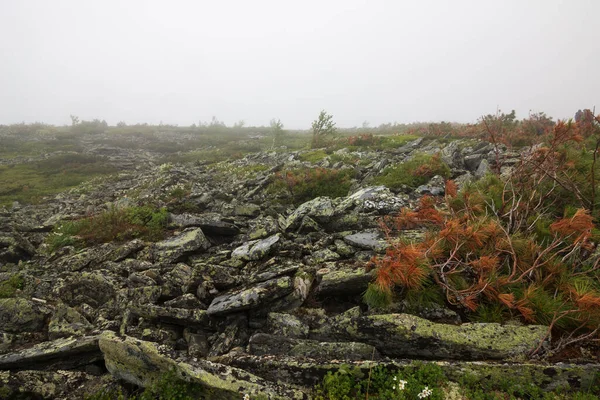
x=181 y=62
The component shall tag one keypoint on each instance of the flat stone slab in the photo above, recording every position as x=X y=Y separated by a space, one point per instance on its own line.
x=366 y=240
x=405 y=335
x=343 y=280
x=252 y=297
x=177 y=316
x=309 y=373
x=65 y=353
x=265 y=344
x=142 y=363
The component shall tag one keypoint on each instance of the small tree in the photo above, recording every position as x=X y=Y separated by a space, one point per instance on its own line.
x=322 y=126
x=276 y=132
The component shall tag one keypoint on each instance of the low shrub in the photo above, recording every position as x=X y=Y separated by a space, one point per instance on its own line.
x=428 y=381
x=116 y=224
x=9 y=287
x=301 y=185
x=414 y=172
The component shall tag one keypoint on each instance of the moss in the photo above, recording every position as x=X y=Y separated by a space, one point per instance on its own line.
x=9 y=287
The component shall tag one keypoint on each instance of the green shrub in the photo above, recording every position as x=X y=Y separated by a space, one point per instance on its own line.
x=9 y=287
x=313 y=156
x=116 y=224
x=301 y=185
x=168 y=387
x=414 y=172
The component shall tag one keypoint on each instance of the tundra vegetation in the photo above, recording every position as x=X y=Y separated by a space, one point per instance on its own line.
x=205 y=240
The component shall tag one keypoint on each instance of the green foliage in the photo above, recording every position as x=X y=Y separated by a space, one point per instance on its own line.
x=168 y=387
x=29 y=182
x=116 y=224
x=414 y=172
x=300 y=185
x=374 y=297
x=313 y=156
x=382 y=383
x=395 y=141
x=388 y=384
x=277 y=132
x=9 y=287
x=322 y=126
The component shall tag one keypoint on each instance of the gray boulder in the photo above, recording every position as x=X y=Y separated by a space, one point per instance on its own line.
x=252 y=297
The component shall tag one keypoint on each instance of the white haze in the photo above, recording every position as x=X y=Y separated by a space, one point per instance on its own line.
x=181 y=62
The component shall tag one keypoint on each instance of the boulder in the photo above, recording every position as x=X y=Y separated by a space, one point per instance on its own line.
x=141 y=363
x=176 y=248
x=405 y=335
x=67 y=321
x=64 y=353
x=264 y=344
x=319 y=209
x=286 y=325
x=171 y=315
x=211 y=224
x=21 y=315
x=340 y=279
x=251 y=297
x=435 y=187
x=257 y=249
x=368 y=240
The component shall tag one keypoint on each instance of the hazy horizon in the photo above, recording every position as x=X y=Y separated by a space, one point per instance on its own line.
x=377 y=61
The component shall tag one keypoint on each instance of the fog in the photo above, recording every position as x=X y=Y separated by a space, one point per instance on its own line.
x=181 y=62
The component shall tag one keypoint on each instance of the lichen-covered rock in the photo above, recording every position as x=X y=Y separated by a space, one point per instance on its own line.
x=251 y=297
x=373 y=198
x=435 y=187
x=62 y=353
x=263 y=247
x=337 y=278
x=21 y=315
x=368 y=240
x=264 y=344
x=286 y=325
x=94 y=289
x=404 y=335
x=67 y=321
x=232 y=333
x=177 y=316
x=211 y=224
x=14 y=247
x=176 y=248
x=319 y=209
x=257 y=249
x=61 y=384
x=141 y=363
x=309 y=373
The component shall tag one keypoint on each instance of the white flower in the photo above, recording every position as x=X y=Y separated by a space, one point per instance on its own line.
x=393 y=387
x=246 y=397
x=401 y=385
x=395 y=378
x=425 y=393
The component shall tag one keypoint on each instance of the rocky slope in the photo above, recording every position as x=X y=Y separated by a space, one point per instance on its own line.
x=245 y=295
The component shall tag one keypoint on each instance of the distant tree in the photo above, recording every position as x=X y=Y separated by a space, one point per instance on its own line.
x=322 y=126
x=121 y=124
x=74 y=120
x=276 y=132
x=240 y=124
